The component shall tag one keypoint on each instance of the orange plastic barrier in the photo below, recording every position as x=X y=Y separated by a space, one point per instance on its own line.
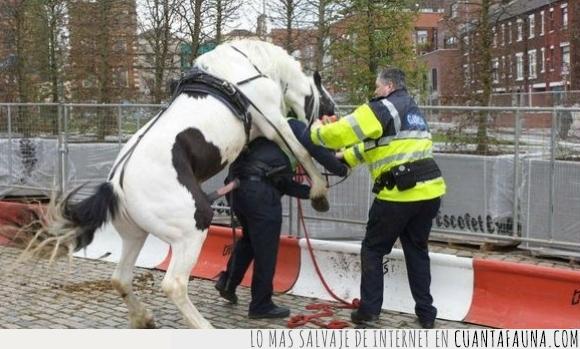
x=10 y=213
x=517 y=295
x=217 y=249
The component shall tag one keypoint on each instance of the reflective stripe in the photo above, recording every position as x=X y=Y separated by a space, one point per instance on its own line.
x=369 y=145
x=320 y=137
x=355 y=127
x=358 y=154
x=398 y=157
x=394 y=114
x=414 y=134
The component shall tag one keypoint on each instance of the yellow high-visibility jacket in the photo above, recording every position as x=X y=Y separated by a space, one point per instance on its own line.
x=384 y=133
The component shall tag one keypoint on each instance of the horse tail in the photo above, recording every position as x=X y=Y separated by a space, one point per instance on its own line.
x=68 y=226
x=89 y=214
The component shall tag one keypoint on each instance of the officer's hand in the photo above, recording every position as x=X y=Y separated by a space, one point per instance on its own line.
x=339 y=155
x=316 y=124
x=328 y=119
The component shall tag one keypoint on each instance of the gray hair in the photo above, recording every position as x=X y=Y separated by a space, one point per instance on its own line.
x=393 y=75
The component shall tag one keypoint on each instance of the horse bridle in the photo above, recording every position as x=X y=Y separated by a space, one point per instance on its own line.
x=262 y=75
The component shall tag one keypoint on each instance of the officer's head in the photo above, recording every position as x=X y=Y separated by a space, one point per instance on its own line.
x=389 y=80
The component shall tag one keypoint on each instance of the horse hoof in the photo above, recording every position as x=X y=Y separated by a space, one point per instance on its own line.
x=144 y=324
x=320 y=204
x=150 y=324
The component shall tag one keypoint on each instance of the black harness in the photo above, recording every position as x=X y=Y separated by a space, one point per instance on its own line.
x=198 y=81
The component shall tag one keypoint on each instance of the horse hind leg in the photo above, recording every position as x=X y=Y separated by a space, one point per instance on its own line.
x=133 y=240
x=184 y=254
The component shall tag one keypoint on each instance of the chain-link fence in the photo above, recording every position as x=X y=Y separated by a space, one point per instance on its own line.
x=513 y=174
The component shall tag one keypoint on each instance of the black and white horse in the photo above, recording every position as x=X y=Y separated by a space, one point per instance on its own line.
x=156 y=190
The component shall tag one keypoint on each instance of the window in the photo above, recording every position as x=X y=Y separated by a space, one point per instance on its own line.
x=532 y=26
x=502 y=35
x=466 y=73
x=552 y=58
x=421 y=37
x=503 y=67
x=120 y=77
x=564 y=17
x=495 y=70
x=120 y=46
x=450 y=41
x=543 y=53
x=494 y=42
x=509 y=66
x=434 y=79
x=454 y=10
x=565 y=50
x=551 y=19
x=532 y=64
x=510 y=32
x=519 y=66
x=542 y=24
x=520 y=30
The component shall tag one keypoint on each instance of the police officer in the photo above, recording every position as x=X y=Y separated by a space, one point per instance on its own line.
x=391 y=136
x=266 y=174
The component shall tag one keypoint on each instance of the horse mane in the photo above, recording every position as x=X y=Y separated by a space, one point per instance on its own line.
x=272 y=61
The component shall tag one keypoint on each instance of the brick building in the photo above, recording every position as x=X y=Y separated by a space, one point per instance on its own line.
x=426 y=32
x=303 y=43
x=531 y=47
x=103 y=50
x=534 y=50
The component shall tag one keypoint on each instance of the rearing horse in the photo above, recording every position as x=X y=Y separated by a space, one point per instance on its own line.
x=156 y=189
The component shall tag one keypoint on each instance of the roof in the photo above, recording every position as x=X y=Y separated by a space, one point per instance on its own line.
x=514 y=8
x=518 y=7
x=427 y=19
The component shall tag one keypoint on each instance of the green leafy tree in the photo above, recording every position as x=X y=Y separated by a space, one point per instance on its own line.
x=374 y=34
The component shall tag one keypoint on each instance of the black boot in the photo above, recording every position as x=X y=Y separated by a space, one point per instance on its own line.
x=274 y=313
x=359 y=317
x=225 y=293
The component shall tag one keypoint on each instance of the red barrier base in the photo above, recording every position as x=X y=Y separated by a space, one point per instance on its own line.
x=217 y=249
x=13 y=213
x=516 y=295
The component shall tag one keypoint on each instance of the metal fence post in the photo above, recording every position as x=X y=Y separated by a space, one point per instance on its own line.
x=298 y=221
x=64 y=149
x=120 y=126
x=60 y=147
x=517 y=131
x=290 y=218
x=10 y=152
x=552 y=170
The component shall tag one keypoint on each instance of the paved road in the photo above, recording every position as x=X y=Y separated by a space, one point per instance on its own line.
x=80 y=296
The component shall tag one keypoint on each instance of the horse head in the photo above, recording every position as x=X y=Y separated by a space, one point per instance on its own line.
x=312 y=102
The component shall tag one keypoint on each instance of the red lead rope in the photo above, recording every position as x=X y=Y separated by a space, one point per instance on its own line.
x=324 y=309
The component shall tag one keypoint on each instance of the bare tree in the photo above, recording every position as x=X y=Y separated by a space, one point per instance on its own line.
x=324 y=13
x=16 y=27
x=192 y=15
x=157 y=27
x=473 y=23
x=52 y=15
x=223 y=12
x=290 y=14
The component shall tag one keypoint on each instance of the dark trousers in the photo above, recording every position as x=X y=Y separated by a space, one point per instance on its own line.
x=259 y=210
x=411 y=222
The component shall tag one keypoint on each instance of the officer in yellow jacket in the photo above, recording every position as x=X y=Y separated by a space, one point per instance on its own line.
x=391 y=136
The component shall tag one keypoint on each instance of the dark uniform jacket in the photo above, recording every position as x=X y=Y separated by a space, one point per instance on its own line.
x=264 y=159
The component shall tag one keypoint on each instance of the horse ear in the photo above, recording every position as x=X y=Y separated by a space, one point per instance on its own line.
x=317 y=79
